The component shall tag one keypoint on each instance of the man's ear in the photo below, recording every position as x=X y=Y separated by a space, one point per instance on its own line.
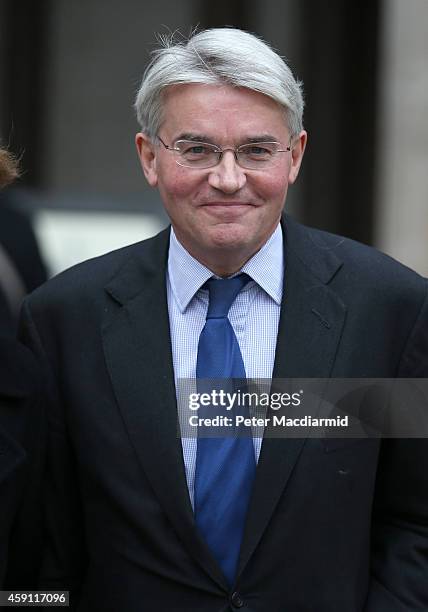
x=147 y=154
x=297 y=150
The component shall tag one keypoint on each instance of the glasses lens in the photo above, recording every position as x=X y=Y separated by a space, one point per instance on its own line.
x=257 y=155
x=196 y=154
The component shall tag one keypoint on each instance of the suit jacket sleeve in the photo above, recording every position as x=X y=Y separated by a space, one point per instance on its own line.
x=64 y=559
x=400 y=514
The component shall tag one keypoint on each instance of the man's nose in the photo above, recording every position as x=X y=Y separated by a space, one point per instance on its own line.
x=227 y=176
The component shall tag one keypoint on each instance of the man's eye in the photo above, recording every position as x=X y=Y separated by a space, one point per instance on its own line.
x=257 y=151
x=196 y=150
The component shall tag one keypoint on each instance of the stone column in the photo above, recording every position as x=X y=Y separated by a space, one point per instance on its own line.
x=401 y=227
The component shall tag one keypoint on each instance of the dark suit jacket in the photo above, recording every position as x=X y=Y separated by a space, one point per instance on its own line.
x=331 y=527
x=21 y=463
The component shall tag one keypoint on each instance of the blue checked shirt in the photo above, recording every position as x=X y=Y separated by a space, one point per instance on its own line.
x=254 y=316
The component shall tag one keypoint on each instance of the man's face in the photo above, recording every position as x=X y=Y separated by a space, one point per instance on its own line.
x=224 y=213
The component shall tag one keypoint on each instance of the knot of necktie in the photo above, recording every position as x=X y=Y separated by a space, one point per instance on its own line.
x=222 y=293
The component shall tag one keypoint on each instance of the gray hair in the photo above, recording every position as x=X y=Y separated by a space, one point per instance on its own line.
x=218 y=56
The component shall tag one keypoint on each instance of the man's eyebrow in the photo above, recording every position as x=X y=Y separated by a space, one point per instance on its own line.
x=262 y=138
x=195 y=137
x=204 y=138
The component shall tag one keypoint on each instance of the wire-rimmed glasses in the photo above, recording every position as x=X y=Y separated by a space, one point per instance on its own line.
x=202 y=155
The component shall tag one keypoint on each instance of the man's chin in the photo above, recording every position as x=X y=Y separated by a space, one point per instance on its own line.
x=230 y=236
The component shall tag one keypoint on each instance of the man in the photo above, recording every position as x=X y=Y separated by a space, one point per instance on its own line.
x=137 y=514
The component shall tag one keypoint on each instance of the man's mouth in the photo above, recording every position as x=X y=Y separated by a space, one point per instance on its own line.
x=223 y=204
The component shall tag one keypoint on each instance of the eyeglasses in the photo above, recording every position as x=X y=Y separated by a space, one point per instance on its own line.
x=252 y=156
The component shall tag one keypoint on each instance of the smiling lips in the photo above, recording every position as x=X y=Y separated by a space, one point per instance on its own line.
x=226 y=204
x=228 y=211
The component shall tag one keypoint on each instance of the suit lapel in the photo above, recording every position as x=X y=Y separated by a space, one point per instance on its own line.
x=138 y=355
x=311 y=322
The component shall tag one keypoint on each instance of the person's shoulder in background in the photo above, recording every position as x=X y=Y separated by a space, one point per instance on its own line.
x=18 y=238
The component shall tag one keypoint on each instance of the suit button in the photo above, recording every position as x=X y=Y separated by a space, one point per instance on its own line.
x=236 y=600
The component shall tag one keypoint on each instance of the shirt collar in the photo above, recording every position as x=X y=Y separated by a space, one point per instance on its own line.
x=187 y=274
x=266 y=267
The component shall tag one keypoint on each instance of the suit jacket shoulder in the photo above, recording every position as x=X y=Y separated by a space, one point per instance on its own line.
x=357 y=261
x=386 y=303
x=88 y=277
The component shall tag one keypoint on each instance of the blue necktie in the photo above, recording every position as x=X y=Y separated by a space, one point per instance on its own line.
x=225 y=467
